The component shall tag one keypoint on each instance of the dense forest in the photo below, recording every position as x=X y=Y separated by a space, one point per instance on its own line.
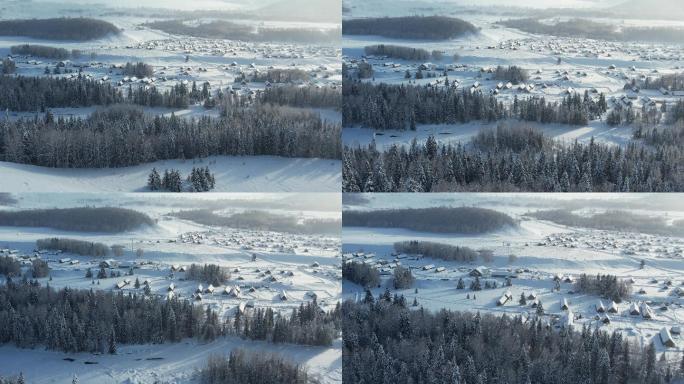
x=58 y=28
x=442 y=251
x=517 y=158
x=409 y=27
x=439 y=219
x=221 y=29
x=33 y=94
x=44 y=51
x=623 y=221
x=241 y=367
x=78 y=247
x=303 y=97
x=306 y=325
x=385 y=342
x=391 y=106
x=87 y=219
x=583 y=28
x=71 y=320
x=362 y=274
x=607 y=286
x=124 y=135
x=38 y=93
x=262 y=221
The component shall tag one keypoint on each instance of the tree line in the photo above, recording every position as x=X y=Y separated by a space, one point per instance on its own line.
x=25 y=93
x=440 y=251
x=437 y=219
x=385 y=342
x=86 y=219
x=78 y=247
x=302 y=96
x=409 y=27
x=122 y=136
x=517 y=158
x=400 y=52
x=32 y=94
x=391 y=106
x=44 y=51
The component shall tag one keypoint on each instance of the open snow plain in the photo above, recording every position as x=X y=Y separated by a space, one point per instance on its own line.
x=263 y=265
x=534 y=254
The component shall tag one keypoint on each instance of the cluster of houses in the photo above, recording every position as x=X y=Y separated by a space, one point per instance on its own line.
x=626 y=243
x=219 y=47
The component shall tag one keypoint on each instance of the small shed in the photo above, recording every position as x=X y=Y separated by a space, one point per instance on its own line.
x=666 y=338
x=599 y=307
x=564 y=305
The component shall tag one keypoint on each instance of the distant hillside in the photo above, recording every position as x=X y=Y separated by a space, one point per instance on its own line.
x=651 y=9
x=409 y=27
x=221 y=29
x=58 y=29
x=325 y=11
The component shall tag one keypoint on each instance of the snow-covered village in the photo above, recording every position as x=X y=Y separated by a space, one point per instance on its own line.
x=164 y=290
x=247 y=90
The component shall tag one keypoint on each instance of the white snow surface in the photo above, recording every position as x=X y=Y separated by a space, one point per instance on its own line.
x=232 y=173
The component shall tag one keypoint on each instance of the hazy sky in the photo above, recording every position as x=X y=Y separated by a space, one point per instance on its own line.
x=178 y=4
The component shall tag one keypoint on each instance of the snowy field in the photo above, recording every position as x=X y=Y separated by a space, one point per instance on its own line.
x=588 y=65
x=233 y=174
x=175 y=59
x=534 y=253
x=263 y=264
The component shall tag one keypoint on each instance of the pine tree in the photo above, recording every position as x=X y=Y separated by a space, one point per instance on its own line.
x=112 y=342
